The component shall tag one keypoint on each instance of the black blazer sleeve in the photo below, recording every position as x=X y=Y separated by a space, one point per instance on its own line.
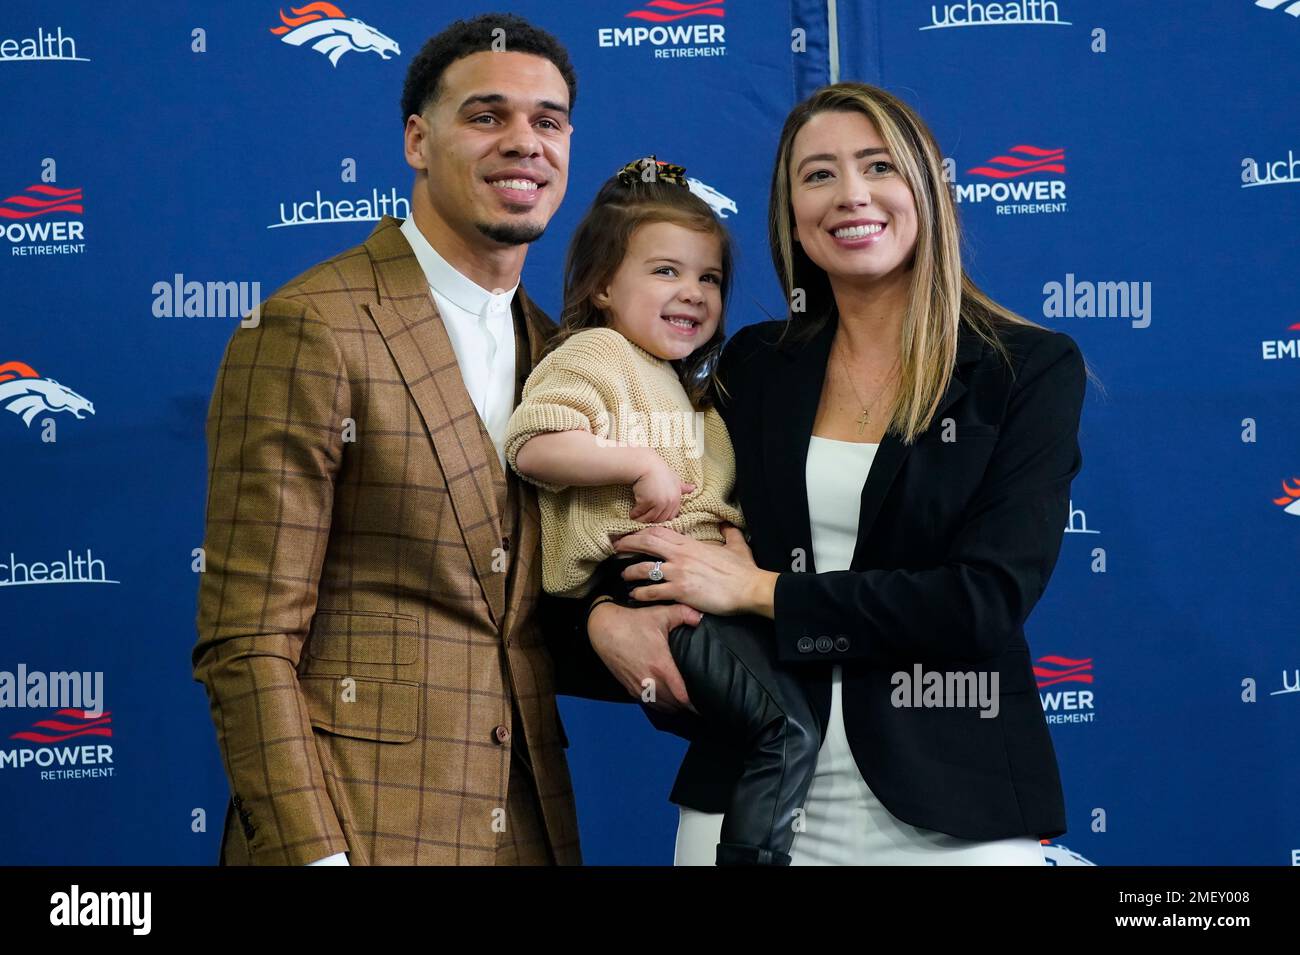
x=999 y=562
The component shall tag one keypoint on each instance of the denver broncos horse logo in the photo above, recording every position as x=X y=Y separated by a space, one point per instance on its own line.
x=719 y=203
x=328 y=30
x=27 y=394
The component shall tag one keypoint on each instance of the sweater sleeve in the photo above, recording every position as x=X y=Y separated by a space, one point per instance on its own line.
x=561 y=394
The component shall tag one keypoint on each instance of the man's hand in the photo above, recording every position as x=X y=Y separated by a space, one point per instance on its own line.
x=633 y=644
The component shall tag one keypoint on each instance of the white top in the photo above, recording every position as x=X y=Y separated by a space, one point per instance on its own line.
x=482 y=335
x=836 y=472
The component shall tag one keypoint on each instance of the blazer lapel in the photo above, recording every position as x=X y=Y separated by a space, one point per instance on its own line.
x=791 y=397
x=421 y=348
x=532 y=329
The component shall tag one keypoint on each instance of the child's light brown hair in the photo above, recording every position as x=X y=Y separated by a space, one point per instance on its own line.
x=625 y=203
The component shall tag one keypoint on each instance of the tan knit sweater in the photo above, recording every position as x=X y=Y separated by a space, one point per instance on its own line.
x=600 y=382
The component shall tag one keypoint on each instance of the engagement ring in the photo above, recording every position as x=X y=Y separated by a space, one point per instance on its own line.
x=657 y=573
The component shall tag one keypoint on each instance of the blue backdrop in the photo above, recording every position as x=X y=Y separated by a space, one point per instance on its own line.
x=1127 y=173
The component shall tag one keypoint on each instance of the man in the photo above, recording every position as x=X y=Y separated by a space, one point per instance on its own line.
x=370 y=630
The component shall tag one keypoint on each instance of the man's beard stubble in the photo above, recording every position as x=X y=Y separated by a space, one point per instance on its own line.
x=510 y=233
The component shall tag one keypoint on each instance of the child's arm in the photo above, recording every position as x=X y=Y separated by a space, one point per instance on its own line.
x=566 y=458
x=554 y=438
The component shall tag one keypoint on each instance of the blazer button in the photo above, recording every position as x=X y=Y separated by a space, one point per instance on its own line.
x=824 y=644
x=805 y=645
x=841 y=643
x=501 y=734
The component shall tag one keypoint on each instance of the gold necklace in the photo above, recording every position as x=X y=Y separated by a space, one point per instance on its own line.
x=865 y=418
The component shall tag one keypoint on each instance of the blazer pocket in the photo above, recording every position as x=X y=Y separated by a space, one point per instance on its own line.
x=381 y=710
x=359 y=636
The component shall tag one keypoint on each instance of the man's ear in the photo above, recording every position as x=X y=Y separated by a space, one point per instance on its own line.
x=417 y=128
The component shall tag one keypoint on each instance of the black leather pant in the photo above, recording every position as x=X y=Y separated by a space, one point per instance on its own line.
x=744 y=697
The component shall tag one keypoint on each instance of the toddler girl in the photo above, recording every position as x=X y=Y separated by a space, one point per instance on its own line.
x=618 y=428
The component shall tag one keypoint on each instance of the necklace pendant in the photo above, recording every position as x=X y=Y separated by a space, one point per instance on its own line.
x=862 y=421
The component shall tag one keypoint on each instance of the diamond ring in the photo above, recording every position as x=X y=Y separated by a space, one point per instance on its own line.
x=656 y=573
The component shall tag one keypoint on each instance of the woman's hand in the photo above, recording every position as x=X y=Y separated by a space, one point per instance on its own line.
x=658 y=492
x=721 y=580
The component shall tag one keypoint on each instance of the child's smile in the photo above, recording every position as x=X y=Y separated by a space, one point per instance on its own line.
x=666 y=296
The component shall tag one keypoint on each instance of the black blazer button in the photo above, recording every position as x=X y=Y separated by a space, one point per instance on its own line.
x=824 y=644
x=805 y=645
x=841 y=643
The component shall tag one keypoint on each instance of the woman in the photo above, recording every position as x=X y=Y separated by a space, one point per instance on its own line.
x=904 y=451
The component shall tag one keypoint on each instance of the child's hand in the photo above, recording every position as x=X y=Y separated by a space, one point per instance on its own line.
x=658 y=492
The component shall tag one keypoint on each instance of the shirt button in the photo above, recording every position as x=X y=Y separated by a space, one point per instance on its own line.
x=824 y=644
x=805 y=644
x=501 y=734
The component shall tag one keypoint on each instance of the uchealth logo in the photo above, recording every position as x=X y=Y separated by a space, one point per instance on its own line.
x=26 y=393
x=331 y=32
x=43 y=46
x=1025 y=180
x=656 y=24
x=1065 y=704
x=65 y=568
x=1290 y=499
x=972 y=13
x=320 y=210
x=24 y=219
x=1275 y=172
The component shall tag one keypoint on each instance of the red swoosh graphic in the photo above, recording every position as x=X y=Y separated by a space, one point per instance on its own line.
x=12 y=214
x=1063 y=669
x=64 y=200
x=52 y=191
x=43 y=738
x=1085 y=678
x=1044 y=160
x=39 y=203
x=1006 y=174
x=710 y=7
x=70 y=727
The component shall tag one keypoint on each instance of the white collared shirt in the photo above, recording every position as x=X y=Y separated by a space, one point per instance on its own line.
x=482 y=335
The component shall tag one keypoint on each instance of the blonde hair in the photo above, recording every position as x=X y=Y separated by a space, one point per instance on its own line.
x=942 y=296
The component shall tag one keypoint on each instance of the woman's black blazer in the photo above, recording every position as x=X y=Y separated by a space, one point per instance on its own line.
x=958 y=535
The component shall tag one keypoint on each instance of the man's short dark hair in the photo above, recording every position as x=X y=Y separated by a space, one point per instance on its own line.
x=424 y=78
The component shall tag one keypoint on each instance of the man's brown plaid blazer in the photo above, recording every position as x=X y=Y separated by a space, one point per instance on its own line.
x=369 y=607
